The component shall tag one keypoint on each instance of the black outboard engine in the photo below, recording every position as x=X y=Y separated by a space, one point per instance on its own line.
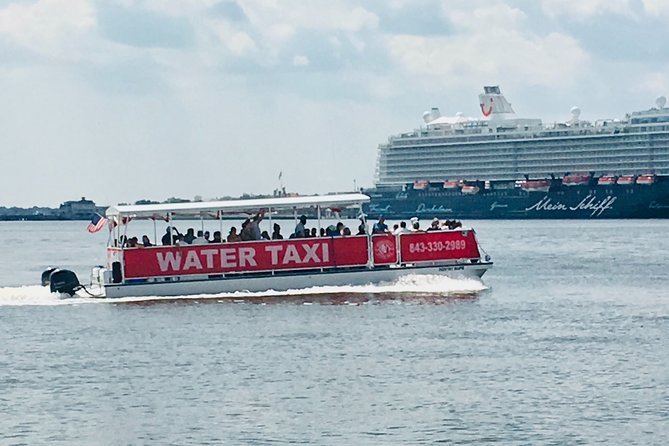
x=64 y=281
x=46 y=275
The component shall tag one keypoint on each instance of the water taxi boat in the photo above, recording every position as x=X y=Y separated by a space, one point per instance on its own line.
x=280 y=265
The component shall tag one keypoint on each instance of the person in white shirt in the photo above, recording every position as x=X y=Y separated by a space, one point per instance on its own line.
x=200 y=240
x=402 y=229
x=299 y=228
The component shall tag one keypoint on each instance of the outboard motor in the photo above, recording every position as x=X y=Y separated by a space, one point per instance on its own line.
x=64 y=281
x=46 y=275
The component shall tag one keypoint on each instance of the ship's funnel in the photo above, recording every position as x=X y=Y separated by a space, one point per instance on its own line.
x=493 y=102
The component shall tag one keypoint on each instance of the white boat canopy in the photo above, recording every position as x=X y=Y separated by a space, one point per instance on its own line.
x=238 y=206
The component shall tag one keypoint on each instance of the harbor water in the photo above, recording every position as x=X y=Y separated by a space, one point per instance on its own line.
x=564 y=341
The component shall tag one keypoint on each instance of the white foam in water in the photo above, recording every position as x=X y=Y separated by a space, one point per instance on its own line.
x=35 y=295
x=419 y=283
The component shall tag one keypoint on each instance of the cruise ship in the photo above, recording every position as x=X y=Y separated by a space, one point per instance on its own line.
x=503 y=166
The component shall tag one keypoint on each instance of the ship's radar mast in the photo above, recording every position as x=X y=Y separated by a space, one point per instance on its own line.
x=661 y=101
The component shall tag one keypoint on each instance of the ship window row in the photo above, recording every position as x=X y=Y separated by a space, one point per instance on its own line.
x=553 y=166
x=511 y=149
x=550 y=141
x=632 y=155
x=416 y=172
x=568 y=151
x=477 y=159
x=519 y=145
x=551 y=136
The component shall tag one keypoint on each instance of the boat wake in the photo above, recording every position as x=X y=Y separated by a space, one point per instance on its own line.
x=411 y=289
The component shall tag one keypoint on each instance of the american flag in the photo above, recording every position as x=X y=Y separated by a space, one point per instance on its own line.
x=97 y=222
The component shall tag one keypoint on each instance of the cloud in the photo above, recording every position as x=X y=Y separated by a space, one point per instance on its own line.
x=49 y=27
x=489 y=44
x=300 y=61
x=144 y=28
x=585 y=9
x=324 y=16
x=656 y=7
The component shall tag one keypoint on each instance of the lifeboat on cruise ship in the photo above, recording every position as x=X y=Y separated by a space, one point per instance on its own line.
x=420 y=185
x=646 y=179
x=536 y=185
x=470 y=189
x=626 y=180
x=451 y=184
x=606 y=180
x=576 y=180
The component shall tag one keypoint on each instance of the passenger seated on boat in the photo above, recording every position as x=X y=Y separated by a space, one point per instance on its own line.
x=181 y=240
x=395 y=227
x=146 y=242
x=276 y=232
x=207 y=236
x=402 y=229
x=190 y=236
x=122 y=241
x=314 y=232
x=199 y=240
x=346 y=231
x=299 y=228
x=233 y=236
x=322 y=232
x=217 y=237
x=265 y=235
x=245 y=232
x=362 y=228
x=435 y=225
x=132 y=242
x=416 y=227
x=380 y=227
x=452 y=224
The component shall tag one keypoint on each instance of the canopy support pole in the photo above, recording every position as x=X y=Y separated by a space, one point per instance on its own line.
x=169 y=226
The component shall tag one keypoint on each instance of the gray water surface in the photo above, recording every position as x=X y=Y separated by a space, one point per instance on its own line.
x=568 y=344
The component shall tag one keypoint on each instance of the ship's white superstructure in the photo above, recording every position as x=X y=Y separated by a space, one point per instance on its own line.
x=502 y=147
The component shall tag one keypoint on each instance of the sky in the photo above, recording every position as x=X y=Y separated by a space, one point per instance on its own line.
x=121 y=100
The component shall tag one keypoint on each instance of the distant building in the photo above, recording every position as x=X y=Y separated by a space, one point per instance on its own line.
x=78 y=210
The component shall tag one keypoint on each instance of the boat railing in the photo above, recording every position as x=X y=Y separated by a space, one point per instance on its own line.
x=319 y=254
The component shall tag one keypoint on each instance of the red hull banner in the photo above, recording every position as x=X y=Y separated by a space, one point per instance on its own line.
x=437 y=245
x=245 y=257
x=294 y=254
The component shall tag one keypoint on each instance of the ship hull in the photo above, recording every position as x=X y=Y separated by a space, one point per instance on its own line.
x=561 y=202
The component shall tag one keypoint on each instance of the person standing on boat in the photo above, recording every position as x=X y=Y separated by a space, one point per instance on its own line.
x=255 y=226
x=299 y=228
x=170 y=237
x=190 y=236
